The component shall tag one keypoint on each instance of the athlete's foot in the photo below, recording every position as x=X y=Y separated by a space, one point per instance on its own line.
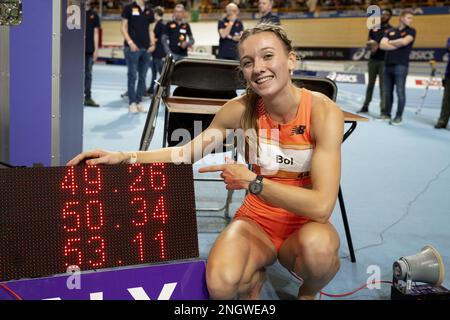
x=307 y=297
x=255 y=292
x=306 y=293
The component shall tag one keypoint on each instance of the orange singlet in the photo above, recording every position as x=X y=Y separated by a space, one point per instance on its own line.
x=285 y=152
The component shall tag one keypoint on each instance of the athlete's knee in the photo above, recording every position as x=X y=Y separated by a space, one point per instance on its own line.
x=319 y=250
x=222 y=280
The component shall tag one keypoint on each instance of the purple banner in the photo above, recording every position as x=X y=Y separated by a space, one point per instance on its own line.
x=31 y=85
x=175 y=281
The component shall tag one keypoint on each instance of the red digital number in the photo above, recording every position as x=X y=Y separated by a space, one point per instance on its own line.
x=160 y=210
x=100 y=251
x=69 y=181
x=90 y=210
x=157 y=177
x=94 y=210
x=93 y=178
x=67 y=214
x=162 y=248
x=71 y=249
x=139 y=240
x=142 y=211
x=134 y=187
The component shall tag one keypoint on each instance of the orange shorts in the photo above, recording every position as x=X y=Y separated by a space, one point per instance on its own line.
x=277 y=225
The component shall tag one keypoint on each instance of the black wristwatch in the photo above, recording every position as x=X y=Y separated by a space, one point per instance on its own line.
x=256 y=186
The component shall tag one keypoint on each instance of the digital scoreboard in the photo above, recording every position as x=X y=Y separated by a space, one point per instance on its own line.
x=94 y=217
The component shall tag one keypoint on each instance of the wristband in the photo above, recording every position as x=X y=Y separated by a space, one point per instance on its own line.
x=133 y=158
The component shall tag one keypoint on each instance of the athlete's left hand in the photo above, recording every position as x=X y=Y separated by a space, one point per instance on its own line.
x=235 y=175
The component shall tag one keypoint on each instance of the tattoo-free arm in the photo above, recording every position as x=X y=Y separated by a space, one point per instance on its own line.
x=385 y=45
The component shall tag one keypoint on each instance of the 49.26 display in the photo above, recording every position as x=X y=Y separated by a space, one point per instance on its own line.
x=94 y=217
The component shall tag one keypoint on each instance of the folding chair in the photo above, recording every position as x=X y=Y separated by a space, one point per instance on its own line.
x=329 y=88
x=208 y=81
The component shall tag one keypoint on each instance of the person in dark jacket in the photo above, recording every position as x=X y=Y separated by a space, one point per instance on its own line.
x=265 y=12
x=159 y=53
x=376 y=61
x=230 y=31
x=445 y=110
x=178 y=37
x=398 y=43
x=91 y=51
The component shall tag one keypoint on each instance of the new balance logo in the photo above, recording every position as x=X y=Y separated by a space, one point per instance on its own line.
x=298 y=130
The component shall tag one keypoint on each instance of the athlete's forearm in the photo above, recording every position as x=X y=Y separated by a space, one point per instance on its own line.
x=301 y=201
x=159 y=155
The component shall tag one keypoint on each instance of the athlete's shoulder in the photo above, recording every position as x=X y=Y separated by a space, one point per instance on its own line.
x=238 y=103
x=323 y=107
x=229 y=116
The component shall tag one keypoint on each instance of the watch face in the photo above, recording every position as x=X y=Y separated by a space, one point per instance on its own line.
x=255 y=187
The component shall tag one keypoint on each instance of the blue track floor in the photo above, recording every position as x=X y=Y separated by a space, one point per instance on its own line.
x=395 y=181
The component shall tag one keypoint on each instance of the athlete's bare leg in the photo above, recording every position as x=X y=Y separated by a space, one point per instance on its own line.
x=237 y=259
x=312 y=254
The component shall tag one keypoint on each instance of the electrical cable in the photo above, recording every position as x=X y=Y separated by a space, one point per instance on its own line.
x=12 y=292
x=341 y=295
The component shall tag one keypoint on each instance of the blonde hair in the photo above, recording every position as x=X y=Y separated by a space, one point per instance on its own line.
x=248 y=120
x=404 y=12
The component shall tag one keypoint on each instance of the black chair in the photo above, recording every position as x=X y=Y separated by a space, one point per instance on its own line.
x=329 y=88
x=194 y=78
x=201 y=78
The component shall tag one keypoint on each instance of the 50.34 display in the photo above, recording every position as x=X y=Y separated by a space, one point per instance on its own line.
x=94 y=217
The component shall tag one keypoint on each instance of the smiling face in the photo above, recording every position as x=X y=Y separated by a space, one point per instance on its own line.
x=266 y=64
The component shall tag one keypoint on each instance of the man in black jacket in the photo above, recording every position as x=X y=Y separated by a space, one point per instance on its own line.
x=91 y=51
x=445 y=110
x=178 y=37
x=376 y=61
x=398 y=43
x=159 y=53
x=265 y=12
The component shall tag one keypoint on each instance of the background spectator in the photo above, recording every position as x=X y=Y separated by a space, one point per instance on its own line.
x=178 y=36
x=265 y=12
x=398 y=42
x=445 y=111
x=92 y=40
x=376 y=61
x=136 y=21
x=230 y=31
x=159 y=53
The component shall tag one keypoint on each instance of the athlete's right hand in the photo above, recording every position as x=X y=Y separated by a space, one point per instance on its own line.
x=93 y=157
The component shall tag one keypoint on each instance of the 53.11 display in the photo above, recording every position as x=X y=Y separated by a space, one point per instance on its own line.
x=94 y=217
